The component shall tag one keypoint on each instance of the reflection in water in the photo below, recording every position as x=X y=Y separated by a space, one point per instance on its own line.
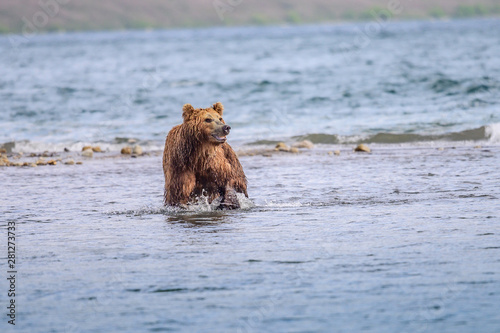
x=200 y=219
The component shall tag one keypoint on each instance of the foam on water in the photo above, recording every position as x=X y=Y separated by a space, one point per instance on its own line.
x=201 y=205
x=147 y=210
x=493 y=133
x=26 y=146
x=483 y=133
x=276 y=204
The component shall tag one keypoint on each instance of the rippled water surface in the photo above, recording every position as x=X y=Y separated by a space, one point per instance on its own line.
x=419 y=78
x=399 y=240
x=404 y=239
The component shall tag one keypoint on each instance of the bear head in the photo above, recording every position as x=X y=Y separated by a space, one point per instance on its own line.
x=207 y=124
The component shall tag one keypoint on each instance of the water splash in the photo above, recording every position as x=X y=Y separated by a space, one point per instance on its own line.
x=147 y=210
x=201 y=205
x=493 y=132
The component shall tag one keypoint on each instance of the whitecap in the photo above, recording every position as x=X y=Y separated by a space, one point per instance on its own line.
x=492 y=131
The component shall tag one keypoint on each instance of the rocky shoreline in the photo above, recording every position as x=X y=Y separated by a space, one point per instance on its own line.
x=67 y=157
x=95 y=153
x=90 y=153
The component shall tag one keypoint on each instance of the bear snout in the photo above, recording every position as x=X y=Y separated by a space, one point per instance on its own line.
x=226 y=129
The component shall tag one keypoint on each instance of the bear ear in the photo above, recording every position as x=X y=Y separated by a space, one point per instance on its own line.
x=187 y=111
x=218 y=107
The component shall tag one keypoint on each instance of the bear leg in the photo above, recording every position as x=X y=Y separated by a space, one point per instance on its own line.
x=230 y=199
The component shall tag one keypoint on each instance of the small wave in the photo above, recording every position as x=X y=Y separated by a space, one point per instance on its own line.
x=444 y=84
x=185 y=83
x=319 y=138
x=318 y=99
x=64 y=91
x=264 y=83
x=490 y=133
x=26 y=146
x=478 y=88
x=485 y=84
x=493 y=133
x=467 y=135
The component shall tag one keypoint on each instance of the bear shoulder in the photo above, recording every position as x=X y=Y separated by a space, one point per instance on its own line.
x=180 y=148
x=238 y=178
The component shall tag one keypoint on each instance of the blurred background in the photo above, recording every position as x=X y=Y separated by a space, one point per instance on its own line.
x=151 y=14
x=332 y=72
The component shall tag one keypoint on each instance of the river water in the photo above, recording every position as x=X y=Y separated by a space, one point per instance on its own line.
x=406 y=238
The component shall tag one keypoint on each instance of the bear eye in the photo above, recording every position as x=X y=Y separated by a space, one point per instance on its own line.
x=220 y=119
x=208 y=120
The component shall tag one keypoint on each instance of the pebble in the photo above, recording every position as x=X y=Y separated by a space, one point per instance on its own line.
x=88 y=153
x=4 y=161
x=337 y=152
x=294 y=150
x=41 y=161
x=304 y=144
x=97 y=149
x=69 y=162
x=3 y=150
x=79 y=163
x=86 y=148
x=126 y=150
x=137 y=150
x=66 y=149
x=478 y=147
x=52 y=162
x=362 y=147
x=8 y=146
x=440 y=148
x=282 y=147
x=33 y=165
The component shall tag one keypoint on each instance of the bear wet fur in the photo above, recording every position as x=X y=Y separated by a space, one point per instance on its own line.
x=197 y=160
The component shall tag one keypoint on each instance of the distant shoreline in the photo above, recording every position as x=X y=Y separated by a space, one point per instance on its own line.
x=32 y=18
x=273 y=24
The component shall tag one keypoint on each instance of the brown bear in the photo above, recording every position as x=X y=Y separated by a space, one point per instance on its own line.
x=197 y=160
